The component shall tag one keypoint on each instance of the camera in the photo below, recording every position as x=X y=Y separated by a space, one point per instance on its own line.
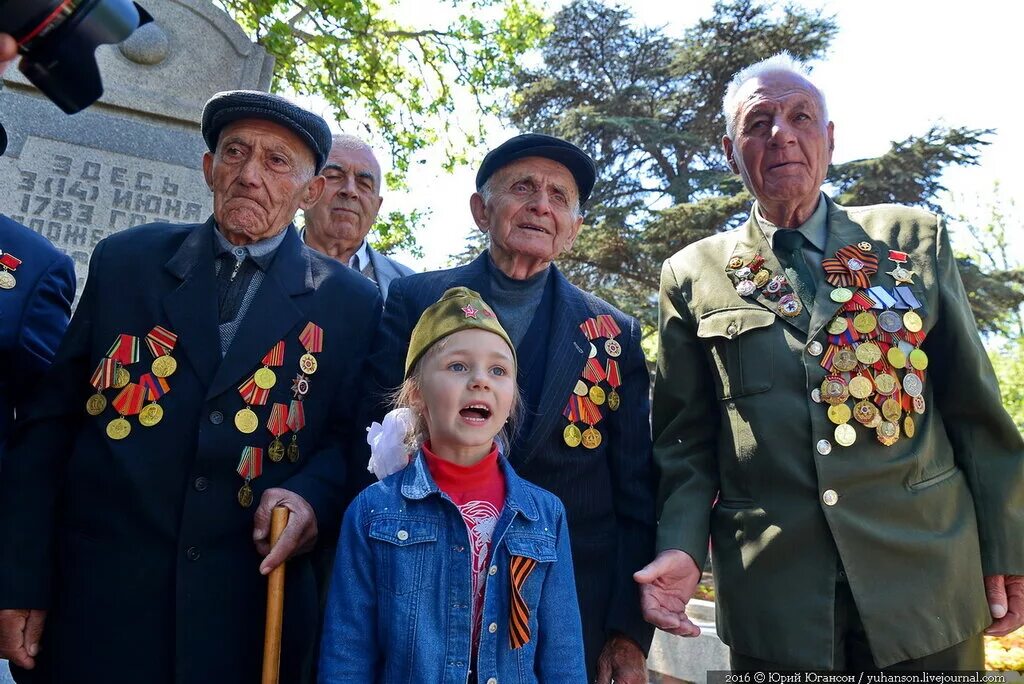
x=58 y=39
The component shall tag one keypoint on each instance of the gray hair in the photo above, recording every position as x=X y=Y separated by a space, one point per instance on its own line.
x=780 y=63
x=489 y=188
x=351 y=142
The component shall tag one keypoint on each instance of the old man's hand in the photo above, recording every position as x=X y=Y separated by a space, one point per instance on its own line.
x=299 y=534
x=1006 y=601
x=621 y=661
x=666 y=585
x=20 y=633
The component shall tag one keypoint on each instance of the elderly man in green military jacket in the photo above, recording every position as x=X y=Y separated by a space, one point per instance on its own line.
x=825 y=412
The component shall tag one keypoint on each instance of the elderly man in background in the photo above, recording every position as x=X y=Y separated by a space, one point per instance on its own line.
x=585 y=435
x=207 y=376
x=337 y=225
x=824 y=410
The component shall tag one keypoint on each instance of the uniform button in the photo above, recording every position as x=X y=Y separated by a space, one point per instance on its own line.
x=814 y=348
x=402 y=535
x=493 y=570
x=830 y=497
x=492 y=680
x=816 y=395
x=824 y=447
x=192 y=553
x=216 y=417
x=492 y=628
x=201 y=484
x=732 y=329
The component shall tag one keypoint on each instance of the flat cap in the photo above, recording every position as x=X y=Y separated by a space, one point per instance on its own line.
x=579 y=163
x=234 y=105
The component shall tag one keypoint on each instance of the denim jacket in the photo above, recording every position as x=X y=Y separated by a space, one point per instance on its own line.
x=400 y=608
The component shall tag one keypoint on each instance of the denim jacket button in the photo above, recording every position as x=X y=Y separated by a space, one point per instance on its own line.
x=402 y=535
x=493 y=570
x=492 y=680
x=493 y=627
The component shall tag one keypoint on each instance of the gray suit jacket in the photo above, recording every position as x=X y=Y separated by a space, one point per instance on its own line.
x=386 y=269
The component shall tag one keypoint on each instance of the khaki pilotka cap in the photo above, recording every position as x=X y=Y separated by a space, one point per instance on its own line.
x=458 y=309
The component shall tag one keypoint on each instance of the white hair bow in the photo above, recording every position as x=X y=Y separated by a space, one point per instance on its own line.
x=389 y=451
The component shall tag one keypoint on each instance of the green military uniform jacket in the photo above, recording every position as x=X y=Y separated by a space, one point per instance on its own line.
x=749 y=459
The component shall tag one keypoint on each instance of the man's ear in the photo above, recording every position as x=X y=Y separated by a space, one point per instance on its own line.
x=208 y=169
x=831 y=139
x=729 y=151
x=574 y=233
x=314 y=191
x=478 y=208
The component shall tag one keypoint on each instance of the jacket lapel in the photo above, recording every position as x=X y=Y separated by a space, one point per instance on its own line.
x=271 y=314
x=751 y=241
x=191 y=308
x=567 y=353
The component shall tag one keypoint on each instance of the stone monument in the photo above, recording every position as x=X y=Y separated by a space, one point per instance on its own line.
x=136 y=155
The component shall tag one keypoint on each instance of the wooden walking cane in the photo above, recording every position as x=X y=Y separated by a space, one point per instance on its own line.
x=275 y=604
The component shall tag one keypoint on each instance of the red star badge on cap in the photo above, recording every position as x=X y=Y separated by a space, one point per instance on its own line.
x=469 y=311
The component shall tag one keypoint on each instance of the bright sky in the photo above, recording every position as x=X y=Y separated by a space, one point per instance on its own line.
x=895 y=69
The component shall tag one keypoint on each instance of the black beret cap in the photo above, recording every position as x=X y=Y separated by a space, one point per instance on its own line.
x=234 y=105
x=579 y=163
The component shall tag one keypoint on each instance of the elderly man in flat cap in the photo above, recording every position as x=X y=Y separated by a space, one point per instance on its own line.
x=206 y=377
x=585 y=434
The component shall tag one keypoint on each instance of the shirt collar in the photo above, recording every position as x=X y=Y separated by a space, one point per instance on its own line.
x=261 y=252
x=814 y=228
x=363 y=253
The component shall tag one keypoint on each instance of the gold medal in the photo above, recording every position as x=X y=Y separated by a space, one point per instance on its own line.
x=790 y=306
x=860 y=387
x=95 y=404
x=591 y=438
x=572 y=436
x=839 y=413
x=612 y=348
x=246 y=421
x=245 y=496
x=834 y=390
x=307 y=364
x=918 y=359
x=735 y=263
x=864 y=322
x=865 y=412
x=265 y=378
x=762 y=277
x=908 y=427
x=841 y=295
x=868 y=353
x=151 y=415
x=119 y=428
x=276 y=450
x=597 y=395
x=164 y=366
x=121 y=377
x=888 y=433
x=580 y=389
x=912 y=321
x=845 y=435
x=614 y=400
x=7 y=280
x=845 y=360
x=293 y=450
x=885 y=384
x=838 y=325
x=891 y=410
x=897 y=359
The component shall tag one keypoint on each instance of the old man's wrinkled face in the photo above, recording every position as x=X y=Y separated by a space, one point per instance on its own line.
x=531 y=214
x=783 y=144
x=351 y=198
x=261 y=174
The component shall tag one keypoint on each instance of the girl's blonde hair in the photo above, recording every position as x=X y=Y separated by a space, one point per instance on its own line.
x=417 y=435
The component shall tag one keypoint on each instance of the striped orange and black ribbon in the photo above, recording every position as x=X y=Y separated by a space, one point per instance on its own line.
x=519 y=620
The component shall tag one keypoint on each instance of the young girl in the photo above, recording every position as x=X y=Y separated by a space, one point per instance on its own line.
x=454 y=569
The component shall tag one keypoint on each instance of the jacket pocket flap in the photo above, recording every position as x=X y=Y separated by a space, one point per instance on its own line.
x=733 y=321
x=540 y=549
x=403 y=531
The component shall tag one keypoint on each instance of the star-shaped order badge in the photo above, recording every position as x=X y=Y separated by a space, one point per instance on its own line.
x=901 y=274
x=470 y=311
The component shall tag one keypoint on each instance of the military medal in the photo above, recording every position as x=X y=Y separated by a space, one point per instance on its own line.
x=594 y=372
x=834 y=390
x=865 y=412
x=885 y=384
x=790 y=306
x=253 y=395
x=614 y=381
x=908 y=427
x=868 y=353
x=265 y=377
x=901 y=274
x=841 y=295
x=580 y=389
x=312 y=338
x=571 y=435
x=837 y=326
x=891 y=410
x=161 y=343
x=278 y=425
x=9 y=263
x=296 y=420
x=913 y=386
x=591 y=438
x=839 y=413
x=155 y=387
x=125 y=351
x=300 y=386
x=128 y=402
x=896 y=358
x=250 y=466
x=888 y=433
x=102 y=378
x=912 y=321
x=918 y=359
x=860 y=387
x=845 y=434
x=851 y=267
x=612 y=348
x=865 y=322
x=844 y=360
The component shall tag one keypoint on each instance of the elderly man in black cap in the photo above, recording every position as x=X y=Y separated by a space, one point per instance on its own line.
x=585 y=434
x=207 y=376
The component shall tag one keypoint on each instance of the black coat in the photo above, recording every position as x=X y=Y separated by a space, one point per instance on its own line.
x=139 y=547
x=608 y=492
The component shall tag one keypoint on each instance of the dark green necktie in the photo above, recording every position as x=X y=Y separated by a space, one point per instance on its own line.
x=789 y=246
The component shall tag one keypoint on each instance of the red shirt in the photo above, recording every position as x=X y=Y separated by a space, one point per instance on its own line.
x=479 y=492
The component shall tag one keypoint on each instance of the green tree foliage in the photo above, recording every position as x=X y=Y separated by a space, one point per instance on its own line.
x=1008 y=361
x=402 y=81
x=647 y=106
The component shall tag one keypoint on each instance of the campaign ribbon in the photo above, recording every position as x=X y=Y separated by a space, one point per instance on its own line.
x=572 y=409
x=103 y=376
x=250 y=465
x=10 y=262
x=275 y=357
x=278 y=421
x=850 y=268
x=125 y=349
x=590 y=329
x=312 y=338
x=607 y=326
x=296 y=419
x=589 y=412
x=129 y=400
x=161 y=341
x=155 y=387
x=520 y=568
x=253 y=394
x=612 y=374
x=593 y=371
